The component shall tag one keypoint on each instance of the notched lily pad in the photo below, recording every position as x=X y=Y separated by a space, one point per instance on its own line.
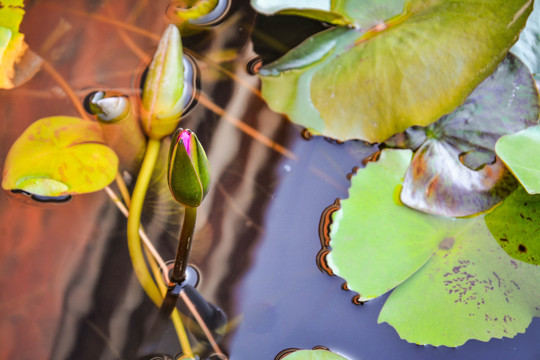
x=521 y=154
x=317 y=354
x=452 y=280
x=455 y=171
x=60 y=155
x=520 y=238
x=409 y=71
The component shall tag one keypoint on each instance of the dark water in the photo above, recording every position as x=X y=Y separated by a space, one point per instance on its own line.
x=68 y=290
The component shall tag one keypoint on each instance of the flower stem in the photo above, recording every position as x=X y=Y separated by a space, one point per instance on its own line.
x=184 y=245
x=134 y=220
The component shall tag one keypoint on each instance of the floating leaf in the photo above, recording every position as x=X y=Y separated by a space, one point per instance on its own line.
x=521 y=154
x=438 y=183
x=448 y=175
x=454 y=282
x=409 y=71
x=520 y=237
x=313 y=355
x=17 y=63
x=60 y=155
x=528 y=46
x=363 y=14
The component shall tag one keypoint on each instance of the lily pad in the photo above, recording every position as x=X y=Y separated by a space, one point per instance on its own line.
x=521 y=154
x=362 y=14
x=313 y=355
x=520 y=238
x=455 y=173
x=12 y=45
x=452 y=280
x=411 y=70
x=60 y=155
x=528 y=46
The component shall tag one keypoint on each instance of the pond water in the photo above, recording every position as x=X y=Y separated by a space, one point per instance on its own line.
x=68 y=289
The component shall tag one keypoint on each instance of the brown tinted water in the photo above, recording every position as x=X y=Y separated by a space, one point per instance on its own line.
x=68 y=289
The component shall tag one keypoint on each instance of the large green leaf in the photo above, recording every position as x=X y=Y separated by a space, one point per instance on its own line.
x=521 y=154
x=60 y=155
x=520 y=238
x=313 y=355
x=363 y=14
x=454 y=282
x=409 y=71
x=454 y=173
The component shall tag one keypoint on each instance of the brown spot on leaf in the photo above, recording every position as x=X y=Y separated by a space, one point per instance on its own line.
x=522 y=248
x=447 y=243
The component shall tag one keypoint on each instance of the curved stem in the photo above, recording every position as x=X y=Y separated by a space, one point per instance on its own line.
x=134 y=220
x=184 y=245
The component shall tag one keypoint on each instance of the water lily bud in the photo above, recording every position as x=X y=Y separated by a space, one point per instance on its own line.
x=189 y=172
x=109 y=109
x=162 y=101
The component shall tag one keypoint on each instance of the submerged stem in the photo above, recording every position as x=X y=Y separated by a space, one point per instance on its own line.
x=175 y=316
x=184 y=245
x=134 y=220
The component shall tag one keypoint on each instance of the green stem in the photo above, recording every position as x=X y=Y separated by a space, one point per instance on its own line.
x=184 y=245
x=134 y=220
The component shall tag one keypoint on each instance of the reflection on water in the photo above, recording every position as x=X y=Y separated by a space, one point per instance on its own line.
x=256 y=241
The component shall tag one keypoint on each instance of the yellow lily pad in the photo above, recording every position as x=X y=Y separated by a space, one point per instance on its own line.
x=60 y=155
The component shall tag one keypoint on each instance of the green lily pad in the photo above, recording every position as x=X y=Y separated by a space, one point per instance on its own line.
x=455 y=173
x=60 y=155
x=313 y=355
x=408 y=71
x=452 y=280
x=521 y=154
x=520 y=238
x=363 y=14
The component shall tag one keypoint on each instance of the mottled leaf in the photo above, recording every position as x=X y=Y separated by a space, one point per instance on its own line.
x=313 y=355
x=363 y=14
x=60 y=155
x=454 y=282
x=454 y=173
x=520 y=237
x=521 y=154
x=408 y=71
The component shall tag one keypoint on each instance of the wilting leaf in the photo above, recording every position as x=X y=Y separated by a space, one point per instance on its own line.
x=521 y=154
x=454 y=173
x=411 y=71
x=17 y=63
x=528 y=45
x=454 y=282
x=313 y=355
x=363 y=14
x=438 y=183
x=60 y=155
x=520 y=237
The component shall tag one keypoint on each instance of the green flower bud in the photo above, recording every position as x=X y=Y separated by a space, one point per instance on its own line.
x=189 y=172
x=162 y=100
